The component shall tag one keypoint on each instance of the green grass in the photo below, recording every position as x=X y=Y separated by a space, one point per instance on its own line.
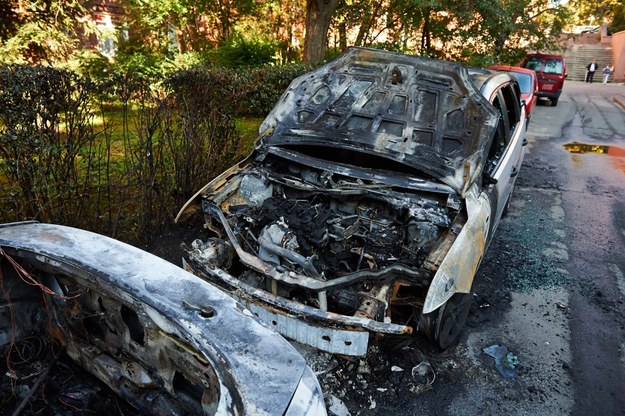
x=248 y=128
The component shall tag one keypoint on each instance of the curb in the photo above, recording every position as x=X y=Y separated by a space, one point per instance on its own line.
x=618 y=102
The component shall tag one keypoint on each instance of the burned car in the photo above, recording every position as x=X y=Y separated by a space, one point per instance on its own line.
x=159 y=337
x=367 y=205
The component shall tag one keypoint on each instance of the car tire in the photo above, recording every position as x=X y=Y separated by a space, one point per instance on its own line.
x=444 y=325
x=554 y=101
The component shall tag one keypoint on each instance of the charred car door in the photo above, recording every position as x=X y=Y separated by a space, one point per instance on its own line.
x=506 y=154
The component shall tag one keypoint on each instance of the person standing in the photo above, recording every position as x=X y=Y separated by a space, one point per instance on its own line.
x=590 y=70
x=607 y=71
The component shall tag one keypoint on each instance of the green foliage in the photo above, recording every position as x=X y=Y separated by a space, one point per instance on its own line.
x=239 y=92
x=46 y=141
x=187 y=60
x=332 y=53
x=9 y=19
x=472 y=32
x=597 y=12
x=237 y=52
x=35 y=44
x=263 y=87
x=139 y=63
x=208 y=88
x=618 y=18
x=176 y=132
x=58 y=164
x=39 y=32
x=88 y=62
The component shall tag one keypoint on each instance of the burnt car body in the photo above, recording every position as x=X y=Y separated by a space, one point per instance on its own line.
x=166 y=341
x=368 y=202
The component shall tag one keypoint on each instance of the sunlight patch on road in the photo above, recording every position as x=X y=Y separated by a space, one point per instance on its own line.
x=620 y=278
x=557 y=212
x=557 y=250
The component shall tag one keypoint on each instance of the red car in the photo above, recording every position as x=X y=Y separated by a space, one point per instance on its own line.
x=550 y=73
x=527 y=82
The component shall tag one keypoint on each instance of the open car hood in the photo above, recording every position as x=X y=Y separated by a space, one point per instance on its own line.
x=422 y=113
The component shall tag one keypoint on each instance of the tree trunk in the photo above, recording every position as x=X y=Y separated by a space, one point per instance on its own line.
x=368 y=22
x=426 y=44
x=342 y=36
x=318 y=16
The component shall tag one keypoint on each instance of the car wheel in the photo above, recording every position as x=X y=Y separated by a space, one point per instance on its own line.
x=554 y=102
x=445 y=325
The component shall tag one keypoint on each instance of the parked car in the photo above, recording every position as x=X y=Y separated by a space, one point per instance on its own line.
x=376 y=184
x=528 y=84
x=161 y=338
x=585 y=29
x=550 y=72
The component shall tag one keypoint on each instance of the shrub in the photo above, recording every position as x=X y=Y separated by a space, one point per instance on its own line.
x=46 y=142
x=264 y=87
x=238 y=52
x=121 y=155
x=125 y=176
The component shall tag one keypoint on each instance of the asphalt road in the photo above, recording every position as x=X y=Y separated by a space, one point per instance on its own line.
x=551 y=289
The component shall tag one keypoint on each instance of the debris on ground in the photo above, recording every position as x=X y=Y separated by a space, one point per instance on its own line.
x=505 y=361
x=336 y=407
x=423 y=373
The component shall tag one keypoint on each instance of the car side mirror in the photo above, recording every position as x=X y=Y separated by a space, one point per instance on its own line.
x=489 y=180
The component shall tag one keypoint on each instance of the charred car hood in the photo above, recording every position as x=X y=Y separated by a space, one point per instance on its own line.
x=421 y=114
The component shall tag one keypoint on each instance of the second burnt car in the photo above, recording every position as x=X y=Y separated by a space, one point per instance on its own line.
x=368 y=203
x=162 y=340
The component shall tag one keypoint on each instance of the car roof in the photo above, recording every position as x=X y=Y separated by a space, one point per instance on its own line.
x=487 y=80
x=543 y=55
x=509 y=68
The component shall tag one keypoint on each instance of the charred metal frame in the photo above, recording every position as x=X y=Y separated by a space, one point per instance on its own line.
x=158 y=336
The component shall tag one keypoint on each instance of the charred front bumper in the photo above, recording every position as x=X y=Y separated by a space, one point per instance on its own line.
x=327 y=270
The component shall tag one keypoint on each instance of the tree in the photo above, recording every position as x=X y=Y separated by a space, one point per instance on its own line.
x=318 y=17
x=9 y=19
x=611 y=12
x=41 y=32
x=618 y=19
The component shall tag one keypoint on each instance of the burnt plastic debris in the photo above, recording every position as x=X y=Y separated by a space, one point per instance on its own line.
x=505 y=361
